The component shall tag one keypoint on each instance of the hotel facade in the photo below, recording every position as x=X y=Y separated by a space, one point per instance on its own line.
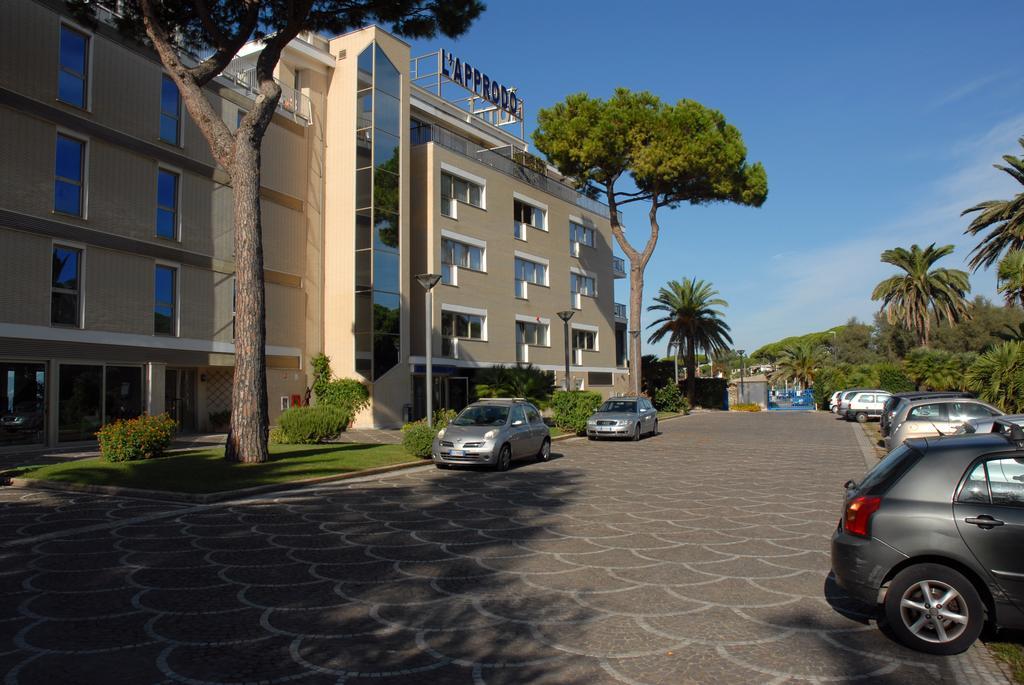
x=116 y=233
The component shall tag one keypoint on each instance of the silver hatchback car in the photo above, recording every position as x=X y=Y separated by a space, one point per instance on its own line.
x=493 y=432
x=623 y=417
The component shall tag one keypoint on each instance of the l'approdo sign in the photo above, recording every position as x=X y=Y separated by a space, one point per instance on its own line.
x=471 y=78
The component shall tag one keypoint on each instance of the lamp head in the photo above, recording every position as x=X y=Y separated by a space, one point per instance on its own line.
x=428 y=281
x=566 y=315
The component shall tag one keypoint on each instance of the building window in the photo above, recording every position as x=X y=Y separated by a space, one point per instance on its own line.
x=22 y=403
x=527 y=272
x=455 y=190
x=73 y=74
x=455 y=256
x=530 y=334
x=65 y=287
x=525 y=215
x=579 y=235
x=69 y=176
x=583 y=341
x=170 y=111
x=457 y=326
x=167 y=204
x=581 y=286
x=165 y=300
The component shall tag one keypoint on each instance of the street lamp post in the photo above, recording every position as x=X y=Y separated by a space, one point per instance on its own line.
x=428 y=281
x=675 y=360
x=743 y=373
x=565 y=315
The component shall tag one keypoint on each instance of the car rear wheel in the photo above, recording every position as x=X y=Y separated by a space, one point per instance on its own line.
x=636 y=433
x=505 y=458
x=934 y=609
x=545 y=451
x=861 y=417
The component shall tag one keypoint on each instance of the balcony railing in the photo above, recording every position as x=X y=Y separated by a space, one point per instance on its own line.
x=516 y=163
x=620 y=311
x=618 y=267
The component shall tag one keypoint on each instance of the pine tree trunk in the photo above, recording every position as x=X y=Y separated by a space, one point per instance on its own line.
x=691 y=371
x=636 y=299
x=247 y=439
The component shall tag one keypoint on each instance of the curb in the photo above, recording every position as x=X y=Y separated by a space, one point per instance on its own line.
x=204 y=498
x=867 y=449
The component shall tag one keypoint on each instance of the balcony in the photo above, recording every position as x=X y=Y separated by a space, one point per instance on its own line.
x=508 y=160
x=618 y=267
x=620 y=312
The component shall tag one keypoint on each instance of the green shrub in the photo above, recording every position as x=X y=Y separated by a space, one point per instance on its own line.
x=521 y=380
x=346 y=394
x=684 y=406
x=310 y=425
x=144 y=437
x=277 y=436
x=418 y=437
x=746 y=406
x=892 y=378
x=668 y=398
x=571 y=409
x=709 y=392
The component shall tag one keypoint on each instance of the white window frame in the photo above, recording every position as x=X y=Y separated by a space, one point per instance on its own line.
x=574 y=246
x=466 y=176
x=177 y=298
x=465 y=240
x=181 y=114
x=88 y=64
x=517 y=254
x=577 y=352
x=86 y=147
x=471 y=311
x=525 y=318
x=81 y=247
x=177 y=200
x=575 y=296
x=536 y=204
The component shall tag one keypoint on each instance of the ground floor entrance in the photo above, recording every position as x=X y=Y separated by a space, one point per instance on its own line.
x=450 y=392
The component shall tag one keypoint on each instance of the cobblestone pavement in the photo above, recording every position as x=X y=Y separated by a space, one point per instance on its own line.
x=697 y=556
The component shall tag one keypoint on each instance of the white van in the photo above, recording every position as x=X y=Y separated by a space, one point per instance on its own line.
x=866 y=405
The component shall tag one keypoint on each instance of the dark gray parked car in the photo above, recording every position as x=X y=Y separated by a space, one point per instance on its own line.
x=892 y=404
x=493 y=432
x=623 y=417
x=934 y=533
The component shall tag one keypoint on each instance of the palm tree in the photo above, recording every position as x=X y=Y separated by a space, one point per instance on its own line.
x=1005 y=218
x=691 y=322
x=1011 y=277
x=921 y=293
x=521 y=380
x=799 y=362
x=998 y=376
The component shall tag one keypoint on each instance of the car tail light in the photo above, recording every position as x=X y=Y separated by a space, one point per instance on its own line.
x=858 y=515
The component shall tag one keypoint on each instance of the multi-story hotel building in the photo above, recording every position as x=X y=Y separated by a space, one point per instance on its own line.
x=116 y=286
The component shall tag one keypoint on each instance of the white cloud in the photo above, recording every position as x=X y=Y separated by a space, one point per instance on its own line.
x=962 y=91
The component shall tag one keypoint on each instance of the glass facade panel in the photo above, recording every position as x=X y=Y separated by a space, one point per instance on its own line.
x=74 y=64
x=79 y=402
x=123 y=392
x=165 y=300
x=22 y=404
x=378 y=187
x=167 y=204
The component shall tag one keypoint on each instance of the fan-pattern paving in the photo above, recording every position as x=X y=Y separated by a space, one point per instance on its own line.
x=697 y=556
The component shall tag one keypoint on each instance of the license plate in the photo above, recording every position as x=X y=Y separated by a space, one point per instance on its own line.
x=606 y=429
x=457 y=453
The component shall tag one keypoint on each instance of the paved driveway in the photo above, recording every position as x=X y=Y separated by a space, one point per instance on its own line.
x=697 y=556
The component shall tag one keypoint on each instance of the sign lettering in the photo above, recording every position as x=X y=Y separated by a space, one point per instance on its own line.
x=479 y=83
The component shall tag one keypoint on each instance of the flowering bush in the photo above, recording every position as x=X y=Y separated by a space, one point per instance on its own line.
x=748 y=406
x=144 y=437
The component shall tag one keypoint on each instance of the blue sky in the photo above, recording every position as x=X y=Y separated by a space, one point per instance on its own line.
x=877 y=122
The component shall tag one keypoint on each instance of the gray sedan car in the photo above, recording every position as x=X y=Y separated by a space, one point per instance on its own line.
x=493 y=433
x=934 y=533
x=623 y=417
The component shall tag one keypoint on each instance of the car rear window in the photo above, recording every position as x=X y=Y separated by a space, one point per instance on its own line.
x=889 y=470
x=928 y=412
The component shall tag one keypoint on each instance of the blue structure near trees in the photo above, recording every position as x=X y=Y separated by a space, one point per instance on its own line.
x=791 y=400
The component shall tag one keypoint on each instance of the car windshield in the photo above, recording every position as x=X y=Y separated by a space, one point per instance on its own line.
x=618 y=405
x=482 y=415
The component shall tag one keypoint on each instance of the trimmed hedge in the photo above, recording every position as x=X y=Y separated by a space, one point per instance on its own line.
x=310 y=425
x=144 y=437
x=571 y=409
x=669 y=398
x=709 y=392
x=418 y=437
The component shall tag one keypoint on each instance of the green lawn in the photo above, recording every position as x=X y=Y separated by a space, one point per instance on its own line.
x=668 y=414
x=555 y=431
x=203 y=471
x=1012 y=653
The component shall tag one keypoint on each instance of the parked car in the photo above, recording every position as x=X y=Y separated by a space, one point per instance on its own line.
x=934 y=416
x=623 y=417
x=493 y=432
x=866 y=405
x=833 y=402
x=939 y=570
x=986 y=425
x=844 y=399
x=890 y=408
x=26 y=417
